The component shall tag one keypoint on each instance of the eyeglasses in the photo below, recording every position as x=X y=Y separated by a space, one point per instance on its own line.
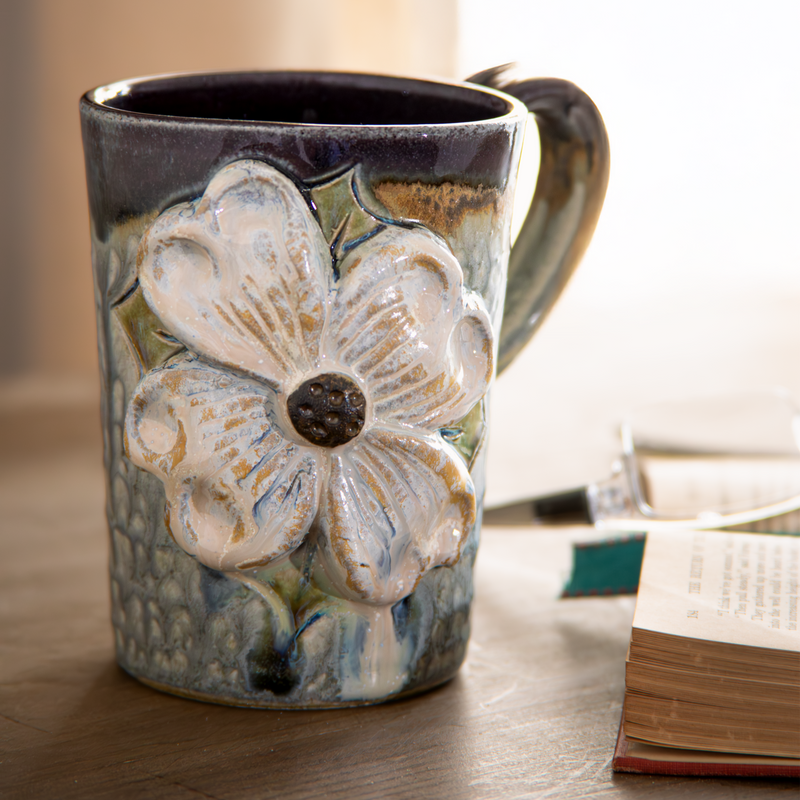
x=707 y=462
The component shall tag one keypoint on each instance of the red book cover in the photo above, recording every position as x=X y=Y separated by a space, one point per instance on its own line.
x=650 y=759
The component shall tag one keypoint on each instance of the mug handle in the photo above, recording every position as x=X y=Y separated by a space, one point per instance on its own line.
x=570 y=188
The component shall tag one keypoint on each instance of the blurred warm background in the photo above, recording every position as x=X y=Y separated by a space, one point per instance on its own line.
x=53 y=51
x=692 y=283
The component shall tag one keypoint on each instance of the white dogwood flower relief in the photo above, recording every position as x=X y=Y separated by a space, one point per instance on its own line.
x=308 y=404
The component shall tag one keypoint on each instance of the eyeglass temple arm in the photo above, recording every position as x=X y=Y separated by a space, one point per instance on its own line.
x=571 y=507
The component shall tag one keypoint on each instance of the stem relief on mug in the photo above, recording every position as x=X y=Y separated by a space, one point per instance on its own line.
x=297 y=333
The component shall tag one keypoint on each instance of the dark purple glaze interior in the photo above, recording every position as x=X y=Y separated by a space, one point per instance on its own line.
x=308 y=98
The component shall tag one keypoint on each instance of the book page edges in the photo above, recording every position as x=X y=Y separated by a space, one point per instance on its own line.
x=640 y=757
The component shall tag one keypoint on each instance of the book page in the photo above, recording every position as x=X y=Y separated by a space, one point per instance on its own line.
x=740 y=588
x=684 y=486
x=654 y=752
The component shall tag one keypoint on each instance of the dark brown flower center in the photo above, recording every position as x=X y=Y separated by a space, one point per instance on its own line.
x=327 y=409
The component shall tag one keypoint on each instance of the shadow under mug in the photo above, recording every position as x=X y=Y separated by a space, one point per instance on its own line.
x=304 y=287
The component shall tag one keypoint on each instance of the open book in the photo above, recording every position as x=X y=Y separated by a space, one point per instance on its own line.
x=714 y=658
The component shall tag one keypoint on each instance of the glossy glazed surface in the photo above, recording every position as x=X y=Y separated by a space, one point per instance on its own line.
x=289 y=572
x=240 y=264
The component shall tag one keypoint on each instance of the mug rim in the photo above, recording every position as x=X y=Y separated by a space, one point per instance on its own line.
x=100 y=97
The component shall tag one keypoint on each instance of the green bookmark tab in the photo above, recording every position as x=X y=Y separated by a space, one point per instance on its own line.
x=607 y=567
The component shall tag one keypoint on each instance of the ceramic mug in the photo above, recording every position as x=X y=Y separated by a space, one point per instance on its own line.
x=302 y=299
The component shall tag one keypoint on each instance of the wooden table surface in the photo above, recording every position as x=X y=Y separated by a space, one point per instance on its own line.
x=535 y=709
x=533 y=713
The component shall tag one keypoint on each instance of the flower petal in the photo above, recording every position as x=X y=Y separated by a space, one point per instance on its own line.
x=238 y=493
x=241 y=275
x=396 y=506
x=403 y=323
